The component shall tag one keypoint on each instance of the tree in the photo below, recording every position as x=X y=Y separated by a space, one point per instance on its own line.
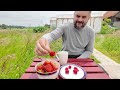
x=46 y=25
x=3 y=26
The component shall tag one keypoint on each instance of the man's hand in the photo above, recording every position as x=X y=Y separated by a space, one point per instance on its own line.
x=42 y=47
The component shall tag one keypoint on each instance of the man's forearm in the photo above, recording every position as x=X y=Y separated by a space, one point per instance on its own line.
x=86 y=54
x=48 y=37
x=55 y=34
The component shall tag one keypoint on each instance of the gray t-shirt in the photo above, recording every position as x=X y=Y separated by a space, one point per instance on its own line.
x=74 y=41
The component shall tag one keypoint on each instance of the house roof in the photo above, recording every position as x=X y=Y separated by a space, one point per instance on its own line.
x=110 y=14
x=98 y=14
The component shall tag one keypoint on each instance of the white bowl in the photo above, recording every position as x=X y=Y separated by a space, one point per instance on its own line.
x=81 y=73
x=49 y=75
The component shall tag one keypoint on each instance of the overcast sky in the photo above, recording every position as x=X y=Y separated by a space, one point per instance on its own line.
x=30 y=18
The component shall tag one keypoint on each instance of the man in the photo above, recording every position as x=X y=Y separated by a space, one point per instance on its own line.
x=78 y=38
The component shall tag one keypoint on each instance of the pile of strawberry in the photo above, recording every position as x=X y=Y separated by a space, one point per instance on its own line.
x=47 y=66
x=75 y=70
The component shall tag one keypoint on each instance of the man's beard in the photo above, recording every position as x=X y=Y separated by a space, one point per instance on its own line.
x=77 y=26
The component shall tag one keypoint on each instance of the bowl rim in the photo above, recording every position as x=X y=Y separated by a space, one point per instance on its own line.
x=48 y=73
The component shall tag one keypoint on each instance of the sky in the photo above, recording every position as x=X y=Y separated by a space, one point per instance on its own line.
x=31 y=18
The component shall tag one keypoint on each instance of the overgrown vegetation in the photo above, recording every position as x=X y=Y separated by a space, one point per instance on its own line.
x=109 y=45
x=4 y=26
x=106 y=28
x=16 y=52
x=108 y=41
x=40 y=29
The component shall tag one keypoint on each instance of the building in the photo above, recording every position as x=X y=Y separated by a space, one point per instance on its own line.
x=94 y=22
x=53 y=23
x=61 y=19
x=114 y=16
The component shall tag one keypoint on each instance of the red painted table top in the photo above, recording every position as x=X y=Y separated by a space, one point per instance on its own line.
x=91 y=67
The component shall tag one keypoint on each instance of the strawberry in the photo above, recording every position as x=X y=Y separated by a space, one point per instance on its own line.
x=39 y=67
x=69 y=67
x=46 y=62
x=67 y=71
x=53 y=66
x=66 y=68
x=52 y=53
x=75 y=68
x=48 y=68
x=75 y=71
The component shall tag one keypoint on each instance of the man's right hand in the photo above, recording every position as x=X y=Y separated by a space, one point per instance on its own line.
x=42 y=47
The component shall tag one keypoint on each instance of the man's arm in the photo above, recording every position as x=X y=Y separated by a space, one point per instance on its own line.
x=43 y=44
x=89 y=48
x=55 y=34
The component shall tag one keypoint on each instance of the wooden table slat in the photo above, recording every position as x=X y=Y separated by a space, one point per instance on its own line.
x=26 y=76
x=85 y=64
x=93 y=69
x=70 y=60
x=97 y=76
x=33 y=64
x=37 y=59
x=80 y=60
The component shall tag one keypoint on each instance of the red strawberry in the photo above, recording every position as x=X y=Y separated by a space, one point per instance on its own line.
x=39 y=67
x=67 y=71
x=66 y=68
x=69 y=67
x=48 y=68
x=46 y=62
x=52 y=53
x=75 y=71
x=53 y=66
x=75 y=68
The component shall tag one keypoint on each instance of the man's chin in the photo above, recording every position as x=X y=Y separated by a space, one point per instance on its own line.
x=80 y=27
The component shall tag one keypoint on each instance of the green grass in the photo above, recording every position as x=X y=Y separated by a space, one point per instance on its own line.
x=16 y=52
x=109 y=45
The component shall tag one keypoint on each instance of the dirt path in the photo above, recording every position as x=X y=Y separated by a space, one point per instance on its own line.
x=110 y=66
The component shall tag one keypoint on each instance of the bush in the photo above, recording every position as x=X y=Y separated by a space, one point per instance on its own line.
x=46 y=25
x=3 y=26
x=106 y=28
x=39 y=29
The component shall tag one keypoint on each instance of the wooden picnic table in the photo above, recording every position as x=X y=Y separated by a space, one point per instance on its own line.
x=93 y=70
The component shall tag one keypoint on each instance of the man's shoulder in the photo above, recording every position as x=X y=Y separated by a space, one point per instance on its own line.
x=90 y=29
